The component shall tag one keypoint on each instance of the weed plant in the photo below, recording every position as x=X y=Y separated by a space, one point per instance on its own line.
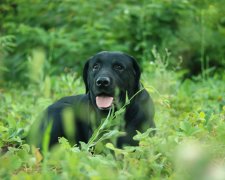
x=189 y=143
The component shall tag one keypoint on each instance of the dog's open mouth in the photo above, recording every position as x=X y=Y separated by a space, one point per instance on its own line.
x=104 y=101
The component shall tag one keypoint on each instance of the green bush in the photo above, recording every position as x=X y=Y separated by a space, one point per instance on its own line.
x=189 y=142
x=69 y=32
x=46 y=43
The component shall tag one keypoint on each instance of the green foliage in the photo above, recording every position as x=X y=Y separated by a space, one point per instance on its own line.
x=189 y=143
x=69 y=32
x=43 y=44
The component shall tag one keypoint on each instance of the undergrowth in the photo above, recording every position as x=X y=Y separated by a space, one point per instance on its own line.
x=189 y=143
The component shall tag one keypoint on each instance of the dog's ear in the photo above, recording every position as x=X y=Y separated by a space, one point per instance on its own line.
x=85 y=75
x=137 y=73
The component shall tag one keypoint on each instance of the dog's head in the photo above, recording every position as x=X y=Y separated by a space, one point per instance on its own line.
x=108 y=76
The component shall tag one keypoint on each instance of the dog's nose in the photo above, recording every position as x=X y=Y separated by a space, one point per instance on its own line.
x=103 y=81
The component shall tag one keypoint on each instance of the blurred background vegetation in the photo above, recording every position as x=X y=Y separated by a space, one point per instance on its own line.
x=66 y=33
x=180 y=45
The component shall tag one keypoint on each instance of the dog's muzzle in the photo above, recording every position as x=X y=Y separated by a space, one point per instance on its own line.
x=104 y=99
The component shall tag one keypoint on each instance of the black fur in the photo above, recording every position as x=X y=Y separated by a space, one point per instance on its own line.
x=122 y=75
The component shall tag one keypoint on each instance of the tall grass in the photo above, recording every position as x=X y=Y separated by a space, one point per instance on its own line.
x=189 y=143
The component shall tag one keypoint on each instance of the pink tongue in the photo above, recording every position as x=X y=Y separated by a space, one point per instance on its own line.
x=104 y=101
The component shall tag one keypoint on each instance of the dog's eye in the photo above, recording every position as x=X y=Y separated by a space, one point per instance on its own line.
x=118 y=67
x=96 y=66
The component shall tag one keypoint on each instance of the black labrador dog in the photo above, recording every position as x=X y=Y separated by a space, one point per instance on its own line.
x=109 y=78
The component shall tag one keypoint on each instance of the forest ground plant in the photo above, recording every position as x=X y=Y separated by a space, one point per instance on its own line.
x=190 y=119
